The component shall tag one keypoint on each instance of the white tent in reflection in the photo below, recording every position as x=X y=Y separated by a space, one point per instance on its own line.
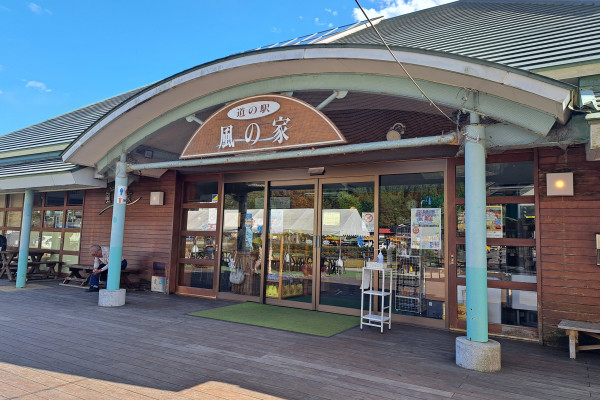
x=336 y=222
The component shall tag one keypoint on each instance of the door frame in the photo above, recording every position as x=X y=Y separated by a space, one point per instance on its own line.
x=181 y=234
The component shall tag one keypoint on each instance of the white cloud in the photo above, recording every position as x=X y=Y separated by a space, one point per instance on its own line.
x=332 y=12
x=34 y=8
x=275 y=30
x=392 y=8
x=1 y=92
x=38 y=85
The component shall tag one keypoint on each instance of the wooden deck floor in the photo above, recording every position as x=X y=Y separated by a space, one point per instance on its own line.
x=56 y=343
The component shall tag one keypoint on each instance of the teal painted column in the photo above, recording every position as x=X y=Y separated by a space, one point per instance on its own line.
x=475 y=221
x=24 y=241
x=118 y=226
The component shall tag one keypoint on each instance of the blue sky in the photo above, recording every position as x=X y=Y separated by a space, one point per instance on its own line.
x=60 y=55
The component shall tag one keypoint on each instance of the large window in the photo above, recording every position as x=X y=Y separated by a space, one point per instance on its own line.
x=55 y=224
x=511 y=246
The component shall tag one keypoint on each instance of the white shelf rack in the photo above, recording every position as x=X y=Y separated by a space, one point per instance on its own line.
x=370 y=275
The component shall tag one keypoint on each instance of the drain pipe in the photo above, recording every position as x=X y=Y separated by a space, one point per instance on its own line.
x=446 y=139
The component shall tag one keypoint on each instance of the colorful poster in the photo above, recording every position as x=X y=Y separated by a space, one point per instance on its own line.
x=493 y=216
x=331 y=218
x=426 y=228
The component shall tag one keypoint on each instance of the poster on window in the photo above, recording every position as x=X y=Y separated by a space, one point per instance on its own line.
x=493 y=218
x=276 y=223
x=426 y=228
x=493 y=222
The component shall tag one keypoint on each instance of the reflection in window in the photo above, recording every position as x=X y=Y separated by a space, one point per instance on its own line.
x=51 y=240
x=406 y=202
x=502 y=179
x=505 y=263
x=34 y=239
x=14 y=218
x=13 y=238
x=15 y=200
x=199 y=247
x=241 y=244
x=201 y=192
x=72 y=240
x=503 y=221
x=36 y=219
x=55 y=199
x=53 y=219
x=505 y=306
x=200 y=219
x=75 y=198
x=196 y=276
x=74 y=218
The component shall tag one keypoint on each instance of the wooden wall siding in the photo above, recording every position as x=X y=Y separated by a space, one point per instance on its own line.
x=570 y=277
x=148 y=229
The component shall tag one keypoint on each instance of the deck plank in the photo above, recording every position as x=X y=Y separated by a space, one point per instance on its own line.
x=151 y=349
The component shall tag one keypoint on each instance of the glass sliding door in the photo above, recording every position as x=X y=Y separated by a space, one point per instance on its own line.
x=242 y=246
x=347 y=229
x=411 y=226
x=289 y=259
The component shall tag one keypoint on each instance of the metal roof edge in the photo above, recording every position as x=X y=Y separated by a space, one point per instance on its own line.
x=33 y=151
x=171 y=81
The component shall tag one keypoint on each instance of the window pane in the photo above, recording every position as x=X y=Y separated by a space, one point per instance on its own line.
x=74 y=218
x=12 y=238
x=53 y=219
x=196 y=276
x=15 y=200
x=1 y=218
x=201 y=192
x=505 y=306
x=411 y=210
x=502 y=179
x=2 y=200
x=72 y=240
x=36 y=219
x=503 y=221
x=51 y=240
x=200 y=219
x=505 y=263
x=199 y=247
x=68 y=259
x=243 y=222
x=34 y=239
x=75 y=198
x=54 y=199
x=13 y=218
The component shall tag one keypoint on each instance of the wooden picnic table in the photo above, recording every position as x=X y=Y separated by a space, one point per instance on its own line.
x=79 y=276
x=10 y=263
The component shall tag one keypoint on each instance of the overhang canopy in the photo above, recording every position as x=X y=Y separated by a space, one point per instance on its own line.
x=527 y=101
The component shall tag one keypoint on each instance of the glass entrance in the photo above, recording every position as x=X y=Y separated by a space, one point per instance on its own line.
x=347 y=229
x=289 y=268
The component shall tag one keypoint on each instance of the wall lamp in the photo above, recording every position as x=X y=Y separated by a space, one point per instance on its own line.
x=559 y=184
x=157 y=198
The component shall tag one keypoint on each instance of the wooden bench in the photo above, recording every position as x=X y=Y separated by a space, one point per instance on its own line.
x=33 y=269
x=75 y=277
x=573 y=328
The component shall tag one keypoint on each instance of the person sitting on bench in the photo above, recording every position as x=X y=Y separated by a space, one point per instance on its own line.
x=100 y=254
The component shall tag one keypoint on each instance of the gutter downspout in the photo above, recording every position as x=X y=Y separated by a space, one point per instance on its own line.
x=446 y=139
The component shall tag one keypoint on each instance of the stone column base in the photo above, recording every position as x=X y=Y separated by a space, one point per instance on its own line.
x=111 y=298
x=478 y=356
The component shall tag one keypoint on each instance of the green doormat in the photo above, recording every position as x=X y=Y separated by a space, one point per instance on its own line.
x=284 y=318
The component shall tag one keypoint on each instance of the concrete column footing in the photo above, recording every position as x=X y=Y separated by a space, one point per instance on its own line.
x=478 y=356
x=111 y=298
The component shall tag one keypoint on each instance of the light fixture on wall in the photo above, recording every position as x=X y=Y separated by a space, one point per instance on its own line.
x=559 y=184
x=396 y=131
x=157 y=198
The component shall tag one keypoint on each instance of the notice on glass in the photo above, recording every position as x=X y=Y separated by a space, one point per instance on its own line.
x=276 y=223
x=331 y=218
x=426 y=228
x=493 y=217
